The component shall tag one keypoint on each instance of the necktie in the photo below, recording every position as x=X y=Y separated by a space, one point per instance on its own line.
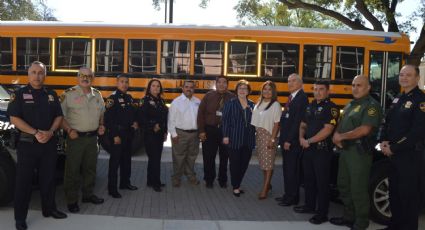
x=221 y=103
x=289 y=102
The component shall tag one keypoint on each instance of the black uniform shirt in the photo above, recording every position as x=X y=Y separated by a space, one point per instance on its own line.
x=405 y=121
x=120 y=112
x=37 y=107
x=153 y=111
x=319 y=114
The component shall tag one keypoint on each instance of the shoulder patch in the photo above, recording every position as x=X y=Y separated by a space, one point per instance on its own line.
x=12 y=97
x=109 y=103
x=372 y=112
x=422 y=106
x=334 y=112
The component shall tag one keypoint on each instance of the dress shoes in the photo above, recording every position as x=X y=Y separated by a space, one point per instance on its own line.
x=236 y=193
x=157 y=188
x=340 y=221
x=209 y=185
x=150 y=185
x=304 y=209
x=288 y=202
x=115 y=194
x=73 y=208
x=21 y=225
x=222 y=184
x=93 y=199
x=128 y=187
x=318 y=219
x=279 y=199
x=56 y=214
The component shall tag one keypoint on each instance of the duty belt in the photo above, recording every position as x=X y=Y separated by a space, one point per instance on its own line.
x=187 y=131
x=26 y=137
x=87 y=134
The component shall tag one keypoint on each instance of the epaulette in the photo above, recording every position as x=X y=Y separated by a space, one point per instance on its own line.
x=69 y=89
x=96 y=90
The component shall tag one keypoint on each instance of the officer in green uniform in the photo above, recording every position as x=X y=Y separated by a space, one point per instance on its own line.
x=353 y=137
x=83 y=109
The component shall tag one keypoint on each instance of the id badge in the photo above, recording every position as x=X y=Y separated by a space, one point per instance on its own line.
x=287 y=115
x=218 y=113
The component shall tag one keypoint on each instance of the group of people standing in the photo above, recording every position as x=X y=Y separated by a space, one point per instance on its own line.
x=227 y=123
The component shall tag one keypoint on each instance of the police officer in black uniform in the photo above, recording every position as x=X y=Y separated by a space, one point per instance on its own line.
x=315 y=138
x=120 y=119
x=36 y=113
x=153 y=114
x=404 y=144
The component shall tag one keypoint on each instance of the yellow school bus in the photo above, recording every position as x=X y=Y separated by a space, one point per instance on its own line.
x=174 y=53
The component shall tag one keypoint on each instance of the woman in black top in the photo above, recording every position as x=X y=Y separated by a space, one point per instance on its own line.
x=152 y=117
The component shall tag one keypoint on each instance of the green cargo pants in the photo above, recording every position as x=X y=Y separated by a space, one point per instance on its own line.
x=353 y=185
x=80 y=167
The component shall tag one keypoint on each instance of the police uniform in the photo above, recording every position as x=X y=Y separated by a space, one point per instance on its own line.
x=404 y=126
x=317 y=158
x=120 y=115
x=153 y=111
x=38 y=108
x=355 y=159
x=82 y=112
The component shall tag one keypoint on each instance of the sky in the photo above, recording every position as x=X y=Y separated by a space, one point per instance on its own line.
x=218 y=12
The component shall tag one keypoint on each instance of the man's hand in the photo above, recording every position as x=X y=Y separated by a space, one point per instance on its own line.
x=385 y=148
x=101 y=130
x=175 y=139
x=337 y=140
x=226 y=140
x=156 y=128
x=286 y=145
x=304 y=143
x=117 y=140
x=43 y=136
x=135 y=125
x=203 y=136
x=73 y=134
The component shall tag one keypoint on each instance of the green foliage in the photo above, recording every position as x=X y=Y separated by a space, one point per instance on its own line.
x=274 y=13
x=20 y=10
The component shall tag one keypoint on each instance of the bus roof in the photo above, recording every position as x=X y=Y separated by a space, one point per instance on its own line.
x=209 y=27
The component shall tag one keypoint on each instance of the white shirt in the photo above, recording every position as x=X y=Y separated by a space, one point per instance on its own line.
x=295 y=93
x=182 y=114
x=266 y=118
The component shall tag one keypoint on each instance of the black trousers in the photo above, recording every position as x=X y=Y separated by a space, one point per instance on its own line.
x=239 y=161
x=154 y=143
x=31 y=157
x=292 y=172
x=404 y=187
x=316 y=166
x=210 y=146
x=120 y=158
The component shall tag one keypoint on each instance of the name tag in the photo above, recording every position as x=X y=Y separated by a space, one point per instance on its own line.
x=29 y=102
x=218 y=113
x=120 y=100
x=27 y=96
x=287 y=115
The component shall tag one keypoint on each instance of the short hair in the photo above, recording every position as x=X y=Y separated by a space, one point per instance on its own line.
x=243 y=82
x=322 y=82
x=122 y=75
x=415 y=67
x=87 y=68
x=40 y=64
x=297 y=76
x=148 y=87
x=221 y=76
x=188 y=81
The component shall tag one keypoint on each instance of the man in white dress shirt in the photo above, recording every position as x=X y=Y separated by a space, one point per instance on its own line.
x=183 y=128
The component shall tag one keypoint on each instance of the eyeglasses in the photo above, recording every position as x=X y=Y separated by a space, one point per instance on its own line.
x=86 y=75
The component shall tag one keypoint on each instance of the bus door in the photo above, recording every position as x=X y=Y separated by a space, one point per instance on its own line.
x=384 y=68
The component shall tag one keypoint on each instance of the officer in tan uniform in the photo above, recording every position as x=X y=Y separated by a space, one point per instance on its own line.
x=83 y=109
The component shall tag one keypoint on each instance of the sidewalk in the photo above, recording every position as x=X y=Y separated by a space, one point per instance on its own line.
x=188 y=207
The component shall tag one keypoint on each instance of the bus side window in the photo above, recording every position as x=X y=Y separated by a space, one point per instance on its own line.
x=242 y=58
x=317 y=61
x=279 y=60
x=109 y=55
x=6 y=57
x=175 y=57
x=33 y=49
x=349 y=62
x=142 y=56
x=73 y=53
x=209 y=57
